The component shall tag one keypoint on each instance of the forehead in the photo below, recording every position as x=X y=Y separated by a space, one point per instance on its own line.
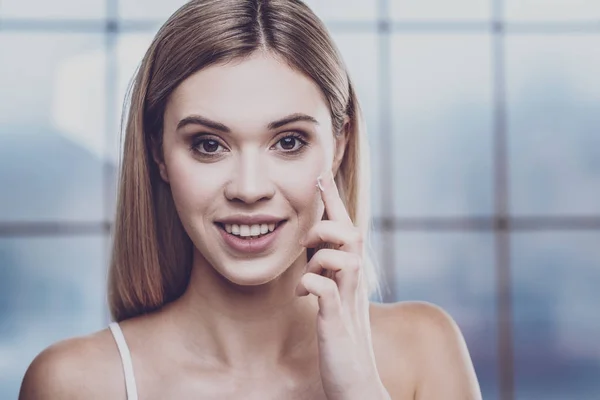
x=247 y=94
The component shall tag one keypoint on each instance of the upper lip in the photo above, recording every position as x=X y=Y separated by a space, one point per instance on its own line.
x=256 y=219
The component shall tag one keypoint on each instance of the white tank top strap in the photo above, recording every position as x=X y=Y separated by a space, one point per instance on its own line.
x=126 y=361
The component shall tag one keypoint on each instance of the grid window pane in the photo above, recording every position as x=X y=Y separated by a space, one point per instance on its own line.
x=553 y=93
x=159 y=10
x=344 y=10
x=554 y=10
x=330 y=10
x=377 y=244
x=130 y=49
x=456 y=272
x=376 y=253
x=441 y=9
x=50 y=289
x=52 y=126
x=442 y=125
x=55 y=9
x=556 y=317
x=360 y=54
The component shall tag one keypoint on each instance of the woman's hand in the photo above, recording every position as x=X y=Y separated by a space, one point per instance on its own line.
x=346 y=357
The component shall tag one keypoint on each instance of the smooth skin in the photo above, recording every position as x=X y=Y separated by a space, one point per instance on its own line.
x=268 y=326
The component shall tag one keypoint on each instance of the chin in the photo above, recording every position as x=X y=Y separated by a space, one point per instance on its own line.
x=254 y=271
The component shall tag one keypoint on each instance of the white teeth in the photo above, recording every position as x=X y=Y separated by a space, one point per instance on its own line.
x=249 y=230
x=254 y=230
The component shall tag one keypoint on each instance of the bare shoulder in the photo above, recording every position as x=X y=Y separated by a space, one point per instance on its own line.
x=86 y=367
x=414 y=321
x=422 y=318
x=430 y=341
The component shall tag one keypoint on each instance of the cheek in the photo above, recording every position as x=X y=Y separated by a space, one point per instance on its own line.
x=298 y=186
x=192 y=188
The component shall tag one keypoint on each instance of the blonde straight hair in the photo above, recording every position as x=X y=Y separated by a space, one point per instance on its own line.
x=152 y=254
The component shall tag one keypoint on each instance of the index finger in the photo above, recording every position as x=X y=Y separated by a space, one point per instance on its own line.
x=336 y=211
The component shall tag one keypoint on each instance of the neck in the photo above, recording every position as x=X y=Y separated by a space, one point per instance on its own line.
x=242 y=327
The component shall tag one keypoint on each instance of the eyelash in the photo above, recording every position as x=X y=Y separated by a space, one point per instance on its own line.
x=197 y=141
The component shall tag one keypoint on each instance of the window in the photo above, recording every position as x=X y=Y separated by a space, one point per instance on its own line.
x=485 y=149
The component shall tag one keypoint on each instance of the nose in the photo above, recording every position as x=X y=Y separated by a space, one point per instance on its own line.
x=250 y=181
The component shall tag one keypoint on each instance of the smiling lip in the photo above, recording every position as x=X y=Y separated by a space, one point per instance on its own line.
x=249 y=246
x=242 y=219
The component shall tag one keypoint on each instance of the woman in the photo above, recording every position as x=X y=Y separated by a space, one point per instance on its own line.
x=239 y=268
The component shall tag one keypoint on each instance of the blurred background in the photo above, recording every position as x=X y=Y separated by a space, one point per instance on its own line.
x=484 y=121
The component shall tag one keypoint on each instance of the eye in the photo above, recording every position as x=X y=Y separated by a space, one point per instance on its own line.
x=210 y=146
x=291 y=143
x=207 y=147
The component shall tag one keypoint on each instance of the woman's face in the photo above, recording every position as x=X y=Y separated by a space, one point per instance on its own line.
x=243 y=146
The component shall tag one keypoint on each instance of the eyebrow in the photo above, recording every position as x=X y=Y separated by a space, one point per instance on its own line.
x=200 y=120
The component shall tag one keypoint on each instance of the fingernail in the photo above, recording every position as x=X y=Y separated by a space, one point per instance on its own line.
x=319 y=184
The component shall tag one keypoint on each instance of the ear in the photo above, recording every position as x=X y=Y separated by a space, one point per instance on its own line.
x=340 y=142
x=157 y=155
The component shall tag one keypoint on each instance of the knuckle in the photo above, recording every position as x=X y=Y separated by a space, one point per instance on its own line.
x=305 y=279
x=325 y=254
x=312 y=266
x=330 y=288
x=321 y=257
x=317 y=256
x=321 y=235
